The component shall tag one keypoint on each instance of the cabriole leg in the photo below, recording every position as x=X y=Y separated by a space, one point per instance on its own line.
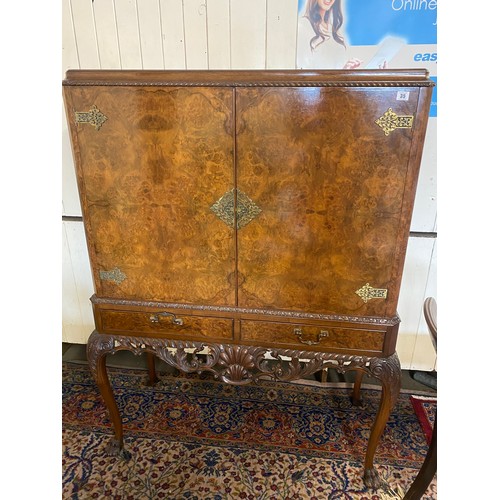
x=98 y=346
x=388 y=371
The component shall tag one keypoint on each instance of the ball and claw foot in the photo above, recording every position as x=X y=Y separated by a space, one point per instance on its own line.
x=113 y=449
x=372 y=479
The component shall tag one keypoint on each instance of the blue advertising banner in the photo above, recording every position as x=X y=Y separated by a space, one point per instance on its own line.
x=368 y=34
x=370 y=21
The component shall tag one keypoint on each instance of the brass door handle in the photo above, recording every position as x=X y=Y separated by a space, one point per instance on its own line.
x=322 y=334
x=155 y=318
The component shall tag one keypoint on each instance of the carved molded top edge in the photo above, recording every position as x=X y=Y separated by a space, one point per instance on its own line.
x=256 y=78
x=96 y=83
x=235 y=310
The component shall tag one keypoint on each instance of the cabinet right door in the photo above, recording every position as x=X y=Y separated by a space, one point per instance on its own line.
x=326 y=167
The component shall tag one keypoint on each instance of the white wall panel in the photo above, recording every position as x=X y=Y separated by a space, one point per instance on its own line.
x=281 y=30
x=85 y=35
x=424 y=212
x=195 y=30
x=414 y=287
x=69 y=50
x=248 y=34
x=150 y=33
x=218 y=34
x=70 y=197
x=77 y=286
x=127 y=26
x=107 y=36
x=424 y=355
x=173 y=38
x=72 y=318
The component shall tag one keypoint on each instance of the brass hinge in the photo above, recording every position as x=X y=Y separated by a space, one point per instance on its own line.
x=367 y=292
x=116 y=275
x=390 y=121
x=94 y=117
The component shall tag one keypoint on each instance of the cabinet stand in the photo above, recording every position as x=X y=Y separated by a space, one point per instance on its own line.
x=239 y=365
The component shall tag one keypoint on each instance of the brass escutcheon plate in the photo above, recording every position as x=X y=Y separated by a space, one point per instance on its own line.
x=246 y=209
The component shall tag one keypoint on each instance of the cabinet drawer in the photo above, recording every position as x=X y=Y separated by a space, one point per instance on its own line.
x=168 y=323
x=312 y=336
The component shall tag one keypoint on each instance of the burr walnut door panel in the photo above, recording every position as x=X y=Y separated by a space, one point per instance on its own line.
x=329 y=183
x=149 y=173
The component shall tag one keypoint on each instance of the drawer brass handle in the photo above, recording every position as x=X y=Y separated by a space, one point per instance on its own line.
x=155 y=318
x=321 y=335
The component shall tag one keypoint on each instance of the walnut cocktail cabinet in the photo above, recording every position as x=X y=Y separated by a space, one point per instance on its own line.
x=261 y=217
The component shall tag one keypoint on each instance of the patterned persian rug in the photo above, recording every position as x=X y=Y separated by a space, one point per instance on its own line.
x=192 y=437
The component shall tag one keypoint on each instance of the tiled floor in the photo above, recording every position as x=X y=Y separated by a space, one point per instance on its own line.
x=411 y=380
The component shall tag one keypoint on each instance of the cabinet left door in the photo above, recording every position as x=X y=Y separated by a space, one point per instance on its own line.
x=151 y=161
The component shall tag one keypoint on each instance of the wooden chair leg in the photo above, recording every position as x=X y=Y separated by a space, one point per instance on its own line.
x=427 y=471
x=151 y=369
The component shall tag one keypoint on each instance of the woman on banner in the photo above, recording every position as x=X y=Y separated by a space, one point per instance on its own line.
x=319 y=42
